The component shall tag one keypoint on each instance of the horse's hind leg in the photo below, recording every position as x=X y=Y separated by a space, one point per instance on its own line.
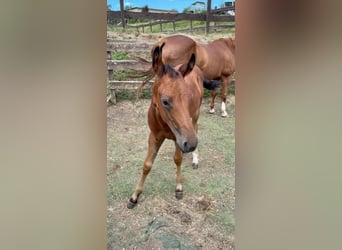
x=153 y=148
x=225 y=82
x=178 y=157
x=212 y=103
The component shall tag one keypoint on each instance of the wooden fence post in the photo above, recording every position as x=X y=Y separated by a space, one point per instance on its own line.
x=208 y=17
x=122 y=15
x=112 y=96
x=109 y=55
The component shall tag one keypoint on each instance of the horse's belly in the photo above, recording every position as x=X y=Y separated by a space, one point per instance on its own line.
x=210 y=74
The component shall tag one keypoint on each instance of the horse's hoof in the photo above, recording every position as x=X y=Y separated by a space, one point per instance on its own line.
x=211 y=111
x=131 y=203
x=179 y=194
x=224 y=114
x=194 y=165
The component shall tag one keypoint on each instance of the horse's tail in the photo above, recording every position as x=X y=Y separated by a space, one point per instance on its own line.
x=150 y=74
x=146 y=74
x=135 y=73
x=211 y=84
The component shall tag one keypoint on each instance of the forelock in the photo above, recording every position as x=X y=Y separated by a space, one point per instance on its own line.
x=171 y=71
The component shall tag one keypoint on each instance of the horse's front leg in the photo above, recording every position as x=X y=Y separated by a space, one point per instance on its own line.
x=195 y=159
x=178 y=157
x=212 y=103
x=195 y=152
x=153 y=148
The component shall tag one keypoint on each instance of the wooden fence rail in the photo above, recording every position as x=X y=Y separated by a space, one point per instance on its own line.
x=114 y=46
x=126 y=64
x=116 y=15
x=126 y=85
x=114 y=65
x=160 y=18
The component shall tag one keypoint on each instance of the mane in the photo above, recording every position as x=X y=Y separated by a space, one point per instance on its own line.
x=150 y=74
x=170 y=71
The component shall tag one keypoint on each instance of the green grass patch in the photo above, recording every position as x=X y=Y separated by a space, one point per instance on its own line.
x=131 y=94
x=121 y=75
x=119 y=55
x=171 y=241
x=225 y=218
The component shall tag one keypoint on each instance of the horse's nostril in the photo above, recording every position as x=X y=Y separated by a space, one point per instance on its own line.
x=188 y=147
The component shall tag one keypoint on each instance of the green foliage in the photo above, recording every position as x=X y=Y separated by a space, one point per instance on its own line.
x=119 y=55
x=186 y=10
x=121 y=75
x=131 y=94
x=145 y=9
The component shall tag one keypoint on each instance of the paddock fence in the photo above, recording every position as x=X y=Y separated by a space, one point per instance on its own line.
x=120 y=18
x=117 y=65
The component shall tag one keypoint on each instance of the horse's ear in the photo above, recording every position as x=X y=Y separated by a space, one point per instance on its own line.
x=157 y=63
x=187 y=68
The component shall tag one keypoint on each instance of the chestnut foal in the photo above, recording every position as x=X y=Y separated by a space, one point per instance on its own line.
x=173 y=114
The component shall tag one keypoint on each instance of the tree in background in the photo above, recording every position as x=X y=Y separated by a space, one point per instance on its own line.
x=187 y=10
x=144 y=9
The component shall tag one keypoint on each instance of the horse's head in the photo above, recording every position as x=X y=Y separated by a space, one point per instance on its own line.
x=173 y=99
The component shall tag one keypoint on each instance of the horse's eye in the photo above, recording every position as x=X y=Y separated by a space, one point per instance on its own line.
x=165 y=102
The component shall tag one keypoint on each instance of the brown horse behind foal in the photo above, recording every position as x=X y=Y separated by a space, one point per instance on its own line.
x=173 y=114
x=216 y=60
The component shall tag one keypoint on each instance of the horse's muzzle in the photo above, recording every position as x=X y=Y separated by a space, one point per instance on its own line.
x=187 y=145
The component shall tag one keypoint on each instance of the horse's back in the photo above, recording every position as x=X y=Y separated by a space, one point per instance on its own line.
x=177 y=49
x=217 y=58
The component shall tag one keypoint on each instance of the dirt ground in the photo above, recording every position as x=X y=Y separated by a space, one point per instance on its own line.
x=153 y=37
x=204 y=218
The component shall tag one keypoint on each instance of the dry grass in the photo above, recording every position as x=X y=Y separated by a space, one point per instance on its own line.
x=203 y=219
